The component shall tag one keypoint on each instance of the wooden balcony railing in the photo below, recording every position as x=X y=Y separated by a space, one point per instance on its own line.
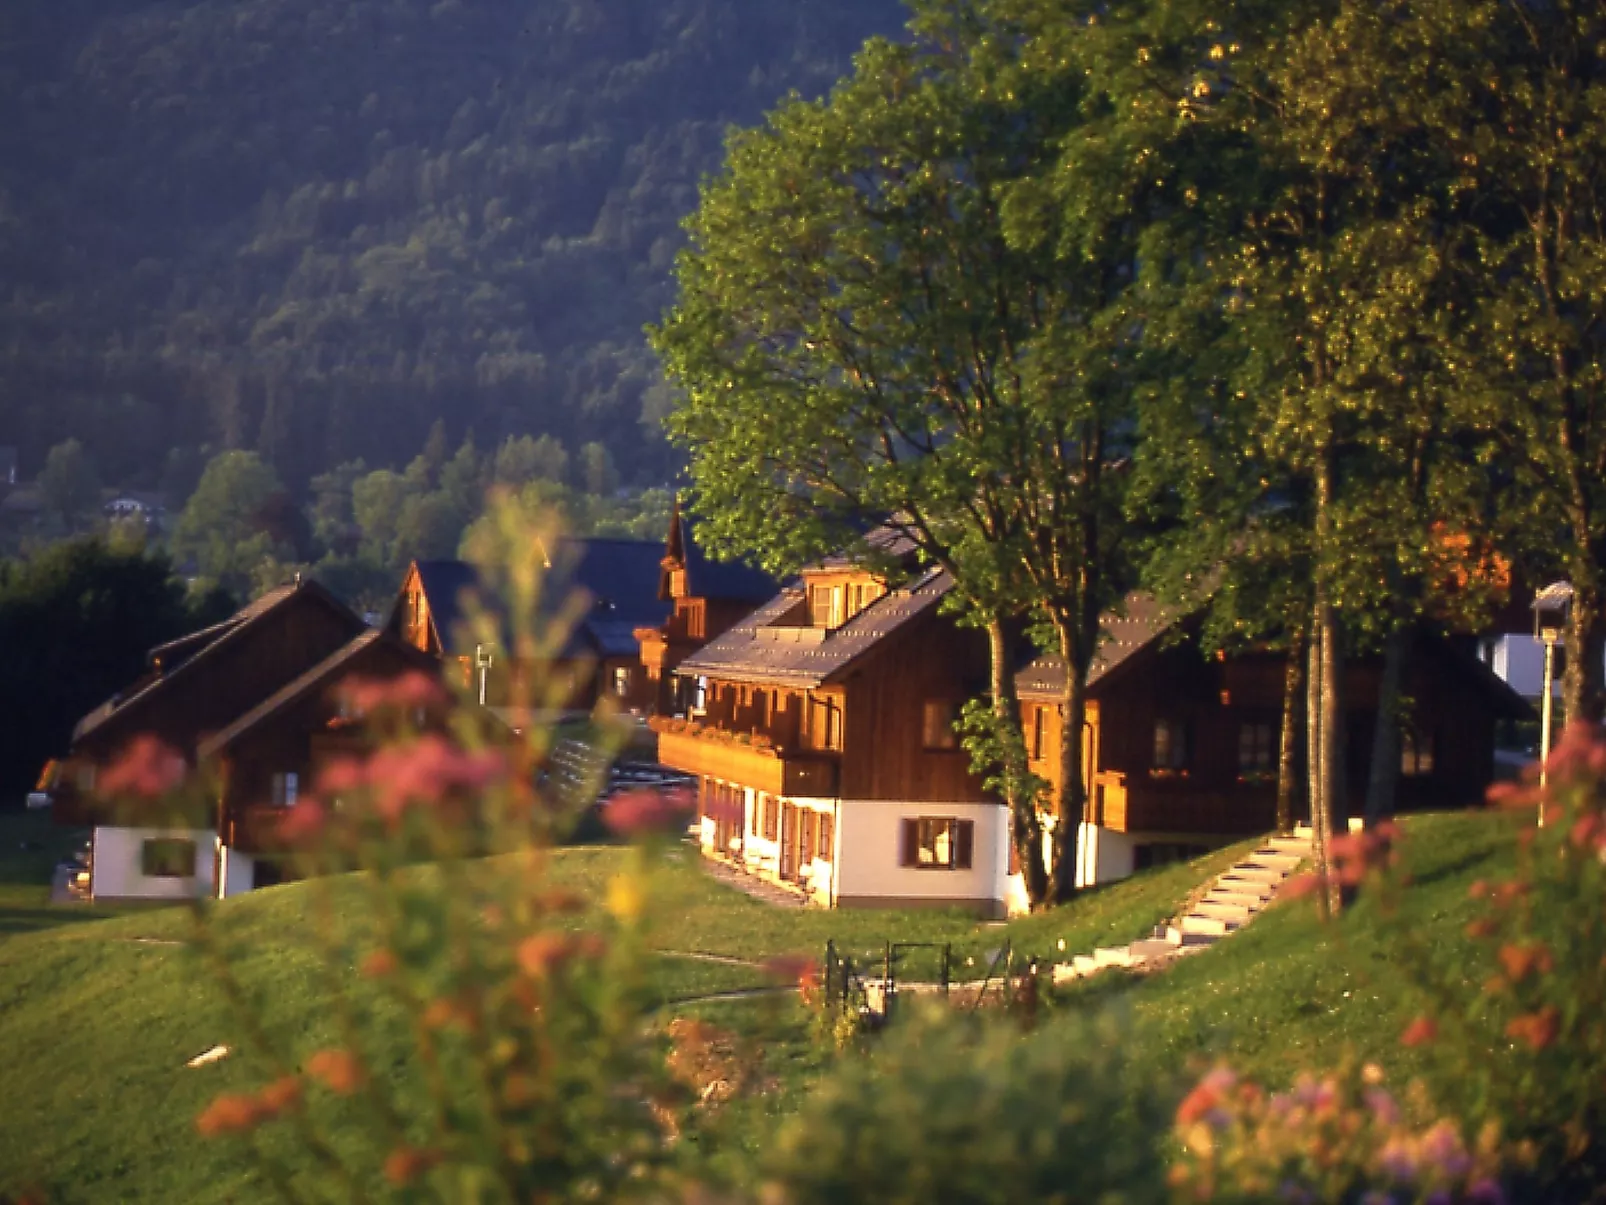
x=807 y=774
x=1178 y=805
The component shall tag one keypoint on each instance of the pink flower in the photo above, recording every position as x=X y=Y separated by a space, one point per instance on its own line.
x=428 y=770
x=303 y=823
x=341 y=776
x=413 y=689
x=637 y=813
x=1442 y=1147
x=1420 y=1032
x=1383 y=1106
x=147 y=768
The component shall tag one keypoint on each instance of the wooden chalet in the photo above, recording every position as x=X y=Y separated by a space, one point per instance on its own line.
x=270 y=755
x=1182 y=750
x=708 y=598
x=821 y=732
x=196 y=686
x=617 y=582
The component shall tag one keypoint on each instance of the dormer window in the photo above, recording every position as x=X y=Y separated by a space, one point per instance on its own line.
x=825 y=606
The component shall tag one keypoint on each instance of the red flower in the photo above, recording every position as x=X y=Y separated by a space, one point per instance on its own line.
x=337 y=1070
x=147 y=768
x=231 y=1113
x=406 y=1163
x=303 y=823
x=282 y=1095
x=379 y=964
x=793 y=968
x=1520 y=961
x=637 y=813
x=1420 y=1032
x=1301 y=885
x=541 y=953
x=1538 y=1029
x=428 y=770
x=1197 y=1104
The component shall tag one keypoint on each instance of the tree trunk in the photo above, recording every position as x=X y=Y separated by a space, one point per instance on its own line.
x=1335 y=806
x=1288 y=738
x=1583 y=691
x=1384 y=778
x=1071 y=803
x=1313 y=749
x=1026 y=831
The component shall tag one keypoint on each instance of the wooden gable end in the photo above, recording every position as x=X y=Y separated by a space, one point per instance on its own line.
x=410 y=619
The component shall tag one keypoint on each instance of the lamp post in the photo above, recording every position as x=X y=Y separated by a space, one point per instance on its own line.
x=483 y=659
x=1550 y=620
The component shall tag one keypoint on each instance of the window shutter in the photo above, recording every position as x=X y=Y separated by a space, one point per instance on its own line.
x=911 y=844
x=824 y=851
x=965 y=840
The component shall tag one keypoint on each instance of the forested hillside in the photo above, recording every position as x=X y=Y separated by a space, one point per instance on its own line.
x=310 y=228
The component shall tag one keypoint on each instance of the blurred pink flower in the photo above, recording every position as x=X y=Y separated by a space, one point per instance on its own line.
x=637 y=813
x=303 y=823
x=412 y=689
x=147 y=768
x=428 y=770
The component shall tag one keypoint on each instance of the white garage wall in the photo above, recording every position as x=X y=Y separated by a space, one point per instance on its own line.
x=117 y=873
x=239 y=872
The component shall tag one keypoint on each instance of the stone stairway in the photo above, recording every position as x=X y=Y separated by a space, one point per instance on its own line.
x=1230 y=903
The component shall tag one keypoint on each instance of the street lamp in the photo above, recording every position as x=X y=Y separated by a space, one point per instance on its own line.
x=483 y=660
x=1551 y=606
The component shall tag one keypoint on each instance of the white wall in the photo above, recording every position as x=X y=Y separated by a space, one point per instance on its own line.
x=117 y=874
x=1106 y=855
x=238 y=872
x=868 y=846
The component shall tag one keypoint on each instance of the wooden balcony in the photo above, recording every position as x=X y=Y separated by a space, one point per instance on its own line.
x=1178 y=805
x=807 y=774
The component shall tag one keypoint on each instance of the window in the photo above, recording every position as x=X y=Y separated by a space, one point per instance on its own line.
x=827 y=835
x=808 y=834
x=1416 y=753
x=939 y=724
x=167 y=858
x=621 y=681
x=1170 y=745
x=772 y=818
x=938 y=844
x=285 y=787
x=825 y=724
x=1039 y=734
x=1257 y=749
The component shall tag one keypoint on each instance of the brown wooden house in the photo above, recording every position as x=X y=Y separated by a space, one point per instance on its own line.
x=708 y=597
x=821 y=732
x=1182 y=749
x=271 y=756
x=195 y=687
x=617 y=582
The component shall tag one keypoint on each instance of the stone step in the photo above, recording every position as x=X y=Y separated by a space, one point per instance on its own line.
x=1242 y=899
x=1289 y=845
x=1235 y=913
x=1257 y=874
x=1215 y=925
x=1260 y=887
x=1186 y=938
x=1275 y=861
x=1113 y=956
x=1086 y=964
x=1065 y=972
x=1153 y=947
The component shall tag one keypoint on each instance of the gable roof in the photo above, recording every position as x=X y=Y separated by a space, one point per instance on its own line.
x=332 y=669
x=1140 y=622
x=731 y=581
x=619 y=577
x=196 y=647
x=763 y=649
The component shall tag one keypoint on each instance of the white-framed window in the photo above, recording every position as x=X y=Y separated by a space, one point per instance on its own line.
x=285 y=788
x=938 y=843
x=621 y=680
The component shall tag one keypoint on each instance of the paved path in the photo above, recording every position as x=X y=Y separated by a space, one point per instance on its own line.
x=767 y=893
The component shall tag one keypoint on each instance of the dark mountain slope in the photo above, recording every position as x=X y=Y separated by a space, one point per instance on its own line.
x=311 y=227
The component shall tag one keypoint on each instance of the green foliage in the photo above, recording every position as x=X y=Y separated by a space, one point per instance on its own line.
x=69 y=487
x=221 y=527
x=959 y=1110
x=76 y=621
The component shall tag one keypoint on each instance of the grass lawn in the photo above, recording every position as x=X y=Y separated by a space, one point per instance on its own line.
x=98 y=1019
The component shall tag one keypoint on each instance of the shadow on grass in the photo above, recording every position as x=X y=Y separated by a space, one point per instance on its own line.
x=34 y=920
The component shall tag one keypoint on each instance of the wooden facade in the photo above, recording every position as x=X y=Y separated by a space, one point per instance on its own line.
x=1182 y=750
x=821 y=730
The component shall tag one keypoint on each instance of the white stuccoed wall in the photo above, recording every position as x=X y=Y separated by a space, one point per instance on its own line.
x=239 y=872
x=868 y=843
x=117 y=872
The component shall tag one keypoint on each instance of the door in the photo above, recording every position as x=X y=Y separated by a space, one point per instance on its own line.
x=788 y=842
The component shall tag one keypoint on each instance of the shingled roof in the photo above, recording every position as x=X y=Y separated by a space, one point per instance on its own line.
x=618 y=577
x=1141 y=622
x=766 y=648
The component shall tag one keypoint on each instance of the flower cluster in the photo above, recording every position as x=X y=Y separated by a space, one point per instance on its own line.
x=1340 y=1138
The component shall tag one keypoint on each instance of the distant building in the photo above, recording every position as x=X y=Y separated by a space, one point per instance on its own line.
x=8 y=466
x=614 y=587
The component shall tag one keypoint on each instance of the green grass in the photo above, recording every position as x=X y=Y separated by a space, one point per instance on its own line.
x=97 y=1019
